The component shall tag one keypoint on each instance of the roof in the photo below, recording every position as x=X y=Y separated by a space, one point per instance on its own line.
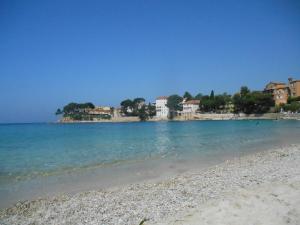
x=99 y=111
x=275 y=82
x=162 y=98
x=275 y=85
x=293 y=81
x=192 y=102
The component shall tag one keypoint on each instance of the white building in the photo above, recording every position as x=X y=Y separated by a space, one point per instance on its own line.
x=190 y=107
x=162 y=110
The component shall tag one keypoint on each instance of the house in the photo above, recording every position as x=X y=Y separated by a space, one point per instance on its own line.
x=279 y=90
x=294 y=86
x=101 y=112
x=162 y=111
x=140 y=104
x=190 y=106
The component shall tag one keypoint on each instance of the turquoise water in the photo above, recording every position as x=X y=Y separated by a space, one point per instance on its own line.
x=31 y=151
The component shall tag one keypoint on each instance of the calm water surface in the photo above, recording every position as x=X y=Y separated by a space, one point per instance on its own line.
x=38 y=159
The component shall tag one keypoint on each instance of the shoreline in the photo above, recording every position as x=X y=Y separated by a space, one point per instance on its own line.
x=198 y=117
x=159 y=201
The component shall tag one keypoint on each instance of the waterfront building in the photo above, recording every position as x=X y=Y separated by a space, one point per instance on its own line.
x=162 y=111
x=294 y=86
x=190 y=106
x=279 y=90
x=101 y=112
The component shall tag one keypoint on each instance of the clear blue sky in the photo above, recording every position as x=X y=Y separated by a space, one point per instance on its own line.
x=54 y=52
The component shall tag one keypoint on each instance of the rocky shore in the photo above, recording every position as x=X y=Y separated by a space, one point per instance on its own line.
x=180 y=200
x=199 y=116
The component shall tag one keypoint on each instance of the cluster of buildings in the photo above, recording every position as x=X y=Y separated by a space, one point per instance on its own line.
x=279 y=90
x=189 y=107
x=282 y=91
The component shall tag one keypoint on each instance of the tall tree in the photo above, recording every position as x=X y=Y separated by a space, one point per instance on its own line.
x=244 y=91
x=73 y=107
x=70 y=108
x=174 y=105
x=199 y=96
x=143 y=114
x=137 y=101
x=151 y=110
x=212 y=94
x=137 y=104
x=87 y=105
x=127 y=107
x=58 y=112
x=207 y=104
x=252 y=102
x=187 y=96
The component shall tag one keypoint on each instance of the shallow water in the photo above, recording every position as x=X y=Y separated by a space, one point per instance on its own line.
x=45 y=159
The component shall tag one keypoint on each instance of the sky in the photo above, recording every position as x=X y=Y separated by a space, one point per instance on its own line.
x=104 y=51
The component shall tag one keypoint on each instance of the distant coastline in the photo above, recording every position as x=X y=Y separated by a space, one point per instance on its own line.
x=277 y=101
x=197 y=117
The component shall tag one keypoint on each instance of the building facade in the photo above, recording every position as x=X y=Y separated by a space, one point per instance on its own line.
x=280 y=92
x=101 y=112
x=162 y=111
x=294 y=86
x=190 y=107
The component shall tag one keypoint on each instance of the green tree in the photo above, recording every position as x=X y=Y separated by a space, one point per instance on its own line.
x=262 y=102
x=137 y=104
x=73 y=107
x=252 y=102
x=70 y=108
x=207 y=104
x=244 y=91
x=174 y=104
x=151 y=110
x=143 y=114
x=293 y=99
x=76 y=116
x=214 y=103
x=58 y=112
x=212 y=94
x=87 y=105
x=219 y=102
x=127 y=107
x=199 y=96
x=293 y=107
x=238 y=103
x=137 y=101
x=187 y=96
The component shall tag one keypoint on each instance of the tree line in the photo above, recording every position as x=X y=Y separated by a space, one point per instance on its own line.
x=293 y=105
x=245 y=101
x=137 y=107
x=76 y=111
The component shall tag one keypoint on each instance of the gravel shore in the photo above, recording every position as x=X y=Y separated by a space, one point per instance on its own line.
x=168 y=202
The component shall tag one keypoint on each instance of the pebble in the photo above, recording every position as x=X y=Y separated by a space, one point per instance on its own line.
x=158 y=201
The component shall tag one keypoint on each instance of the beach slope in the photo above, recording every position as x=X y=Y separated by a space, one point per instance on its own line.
x=261 y=188
x=271 y=204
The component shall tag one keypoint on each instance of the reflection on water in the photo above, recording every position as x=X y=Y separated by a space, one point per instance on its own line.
x=161 y=139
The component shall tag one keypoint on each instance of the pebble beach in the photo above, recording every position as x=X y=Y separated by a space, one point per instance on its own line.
x=182 y=199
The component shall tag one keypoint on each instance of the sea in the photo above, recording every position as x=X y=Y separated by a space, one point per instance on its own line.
x=46 y=159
